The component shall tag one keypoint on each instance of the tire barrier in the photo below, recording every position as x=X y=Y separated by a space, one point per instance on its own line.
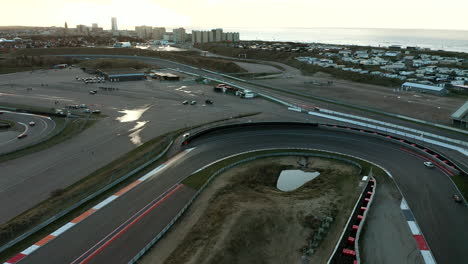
x=347 y=250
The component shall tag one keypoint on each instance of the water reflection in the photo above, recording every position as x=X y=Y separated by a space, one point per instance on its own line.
x=135 y=137
x=290 y=180
x=131 y=115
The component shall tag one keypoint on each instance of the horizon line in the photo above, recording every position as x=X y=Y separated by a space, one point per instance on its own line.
x=374 y=28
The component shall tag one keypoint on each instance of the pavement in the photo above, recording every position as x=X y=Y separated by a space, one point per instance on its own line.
x=445 y=241
x=8 y=139
x=387 y=237
x=29 y=180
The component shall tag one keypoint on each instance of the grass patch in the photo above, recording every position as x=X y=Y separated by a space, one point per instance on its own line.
x=114 y=63
x=462 y=184
x=9 y=122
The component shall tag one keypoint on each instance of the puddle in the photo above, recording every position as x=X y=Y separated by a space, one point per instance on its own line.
x=135 y=136
x=290 y=180
x=131 y=115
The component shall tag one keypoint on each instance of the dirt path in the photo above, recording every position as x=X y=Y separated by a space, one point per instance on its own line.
x=242 y=218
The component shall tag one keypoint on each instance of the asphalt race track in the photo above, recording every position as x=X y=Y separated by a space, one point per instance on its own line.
x=43 y=127
x=428 y=192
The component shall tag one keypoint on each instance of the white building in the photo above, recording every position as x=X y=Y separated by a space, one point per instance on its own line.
x=407 y=86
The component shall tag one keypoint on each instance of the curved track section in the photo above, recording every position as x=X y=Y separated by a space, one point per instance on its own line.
x=42 y=128
x=427 y=191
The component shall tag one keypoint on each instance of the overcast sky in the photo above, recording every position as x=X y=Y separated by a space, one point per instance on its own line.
x=416 y=14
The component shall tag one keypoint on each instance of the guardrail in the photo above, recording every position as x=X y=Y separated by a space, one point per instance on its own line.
x=460 y=142
x=148 y=246
x=427 y=151
x=83 y=201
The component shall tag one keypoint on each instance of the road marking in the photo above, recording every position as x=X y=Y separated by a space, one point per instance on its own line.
x=106 y=241
x=443 y=169
x=416 y=232
x=102 y=204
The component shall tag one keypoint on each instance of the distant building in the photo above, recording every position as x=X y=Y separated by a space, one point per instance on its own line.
x=94 y=25
x=144 y=32
x=82 y=29
x=217 y=35
x=123 y=75
x=168 y=37
x=460 y=117
x=158 y=33
x=179 y=35
x=114 y=24
x=214 y=35
x=196 y=36
x=407 y=86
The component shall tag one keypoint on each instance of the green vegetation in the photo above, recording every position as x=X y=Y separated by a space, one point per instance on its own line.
x=307 y=69
x=29 y=63
x=186 y=57
x=462 y=184
x=114 y=64
x=9 y=122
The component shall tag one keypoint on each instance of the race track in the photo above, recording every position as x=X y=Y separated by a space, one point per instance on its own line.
x=112 y=234
x=42 y=128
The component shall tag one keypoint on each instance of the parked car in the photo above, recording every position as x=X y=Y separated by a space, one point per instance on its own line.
x=186 y=135
x=185 y=102
x=429 y=164
x=96 y=111
x=22 y=136
x=193 y=102
x=87 y=110
x=208 y=102
x=92 y=92
x=32 y=123
x=457 y=198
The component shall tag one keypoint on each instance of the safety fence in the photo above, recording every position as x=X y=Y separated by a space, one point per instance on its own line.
x=347 y=249
x=148 y=246
x=415 y=131
x=112 y=183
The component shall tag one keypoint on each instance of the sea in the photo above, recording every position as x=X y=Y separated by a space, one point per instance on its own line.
x=448 y=40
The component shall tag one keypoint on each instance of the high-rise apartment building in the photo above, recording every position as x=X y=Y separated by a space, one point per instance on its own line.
x=114 y=24
x=179 y=35
x=144 y=32
x=214 y=35
x=217 y=35
x=158 y=33
x=81 y=29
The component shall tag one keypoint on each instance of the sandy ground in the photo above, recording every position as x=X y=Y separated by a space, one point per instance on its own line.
x=255 y=67
x=237 y=220
x=423 y=106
